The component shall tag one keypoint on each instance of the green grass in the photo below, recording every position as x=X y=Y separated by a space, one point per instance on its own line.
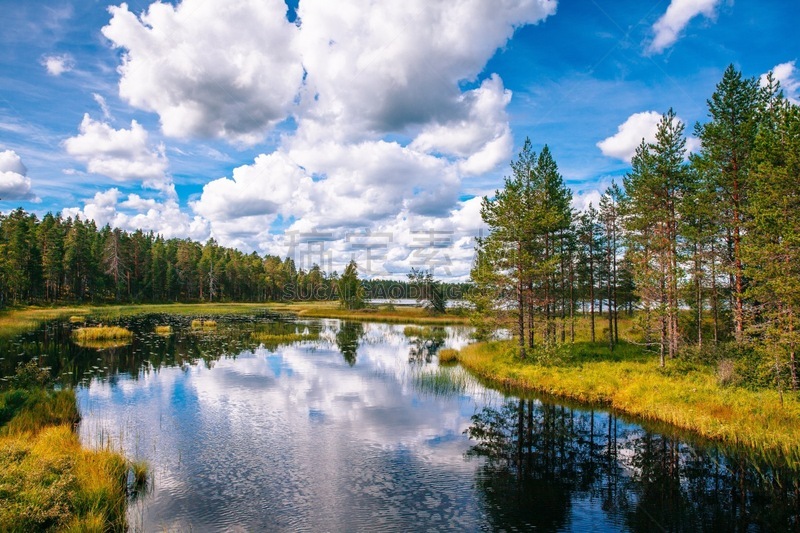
x=47 y=480
x=442 y=381
x=399 y=315
x=282 y=338
x=687 y=396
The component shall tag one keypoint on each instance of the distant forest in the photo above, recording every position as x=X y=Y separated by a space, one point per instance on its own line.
x=58 y=259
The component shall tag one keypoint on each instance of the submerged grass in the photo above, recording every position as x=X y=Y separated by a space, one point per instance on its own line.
x=689 y=396
x=47 y=480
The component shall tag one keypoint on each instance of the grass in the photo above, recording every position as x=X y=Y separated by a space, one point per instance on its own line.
x=102 y=337
x=47 y=480
x=448 y=355
x=399 y=315
x=282 y=338
x=442 y=381
x=203 y=324
x=683 y=395
x=163 y=330
x=431 y=333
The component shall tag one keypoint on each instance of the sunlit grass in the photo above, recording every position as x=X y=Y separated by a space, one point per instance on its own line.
x=47 y=480
x=448 y=355
x=399 y=315
x=102 y=337
x=630 y=380
x=163 y=330
x=204 y=324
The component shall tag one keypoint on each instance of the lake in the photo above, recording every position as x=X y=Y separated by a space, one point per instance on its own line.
x=356 y=427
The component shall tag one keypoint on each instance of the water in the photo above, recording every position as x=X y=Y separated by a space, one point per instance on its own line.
x=344 y=432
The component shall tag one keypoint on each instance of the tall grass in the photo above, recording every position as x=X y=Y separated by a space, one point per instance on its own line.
x=447 y=355
x=47 y=480
x=687 y=396
x=163 y=330
x=203 y=324
x=442 y=381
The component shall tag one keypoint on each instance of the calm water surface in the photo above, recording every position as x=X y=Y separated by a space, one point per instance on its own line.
x=358 y=428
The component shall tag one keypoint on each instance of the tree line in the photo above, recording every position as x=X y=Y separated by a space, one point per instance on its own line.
x=706 y=248
x=59 y=259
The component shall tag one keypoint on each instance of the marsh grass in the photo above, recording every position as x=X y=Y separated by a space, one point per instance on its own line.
x=77 y=319
x=442 y=381
x=427 y=333
x=283 y=338
x=47 y=480
x=448 y=355
x=398 y=315
x=101 y=333
x=163 y=330
x=203 y=324
x=686 y=395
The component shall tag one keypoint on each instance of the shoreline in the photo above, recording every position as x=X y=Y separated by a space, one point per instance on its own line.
x=631 y=383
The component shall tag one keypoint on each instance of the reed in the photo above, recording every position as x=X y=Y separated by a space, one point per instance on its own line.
x=442 y=381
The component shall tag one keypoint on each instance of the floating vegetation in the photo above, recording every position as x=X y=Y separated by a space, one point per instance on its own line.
x=427 y=333
x=283 y=338
x=448 y=355
x=102 y=337
x=164 y=330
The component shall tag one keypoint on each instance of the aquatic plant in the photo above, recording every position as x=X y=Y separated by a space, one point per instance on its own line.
x=442 y=381
x=98 y=333
x=163 y=330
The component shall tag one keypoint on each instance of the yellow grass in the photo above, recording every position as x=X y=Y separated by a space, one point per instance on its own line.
x=400 y=315
x=101 y=333
x=630 y=381
x=163 y=330
x=448 y=355
x=282 y=338
x=47 y=480
x=203 y=324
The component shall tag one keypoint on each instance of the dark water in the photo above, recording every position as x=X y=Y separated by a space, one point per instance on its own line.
x=351 y=432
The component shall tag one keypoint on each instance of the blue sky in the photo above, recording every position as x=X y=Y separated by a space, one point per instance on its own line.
x=349 y=132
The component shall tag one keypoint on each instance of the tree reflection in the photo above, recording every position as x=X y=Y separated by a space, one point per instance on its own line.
x=540 y=459
x=424 y=343
x=347 y=339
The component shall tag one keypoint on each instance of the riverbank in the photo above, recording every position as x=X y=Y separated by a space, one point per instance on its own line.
x=48 y=481
x=687 y=396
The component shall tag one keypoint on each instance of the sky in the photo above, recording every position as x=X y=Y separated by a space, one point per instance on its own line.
x=329 y=131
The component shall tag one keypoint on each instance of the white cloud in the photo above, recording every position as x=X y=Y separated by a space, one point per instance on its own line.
x=14 y=181
x=163 y=216
x=56 y=65
x=398 y=65
x=103 y=105
x=786 y=74
x=207 y=71
x=622 y=145
x=679 y=13
x=122 y=155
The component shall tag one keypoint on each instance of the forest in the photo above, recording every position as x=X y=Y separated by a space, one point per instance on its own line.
x=704 y=246
x=61 y=260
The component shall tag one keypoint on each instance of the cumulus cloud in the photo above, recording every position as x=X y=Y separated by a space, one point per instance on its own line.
x=668 y=28
x=207 y=71
x=14 y=181
x=786 y=74
x=622 y=145
x=120 y=154
x=56 y=65
x=163 y=216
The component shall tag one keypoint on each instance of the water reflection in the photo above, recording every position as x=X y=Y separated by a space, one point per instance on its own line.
x=267 y=422
x=547 y=458
x=347 y=339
